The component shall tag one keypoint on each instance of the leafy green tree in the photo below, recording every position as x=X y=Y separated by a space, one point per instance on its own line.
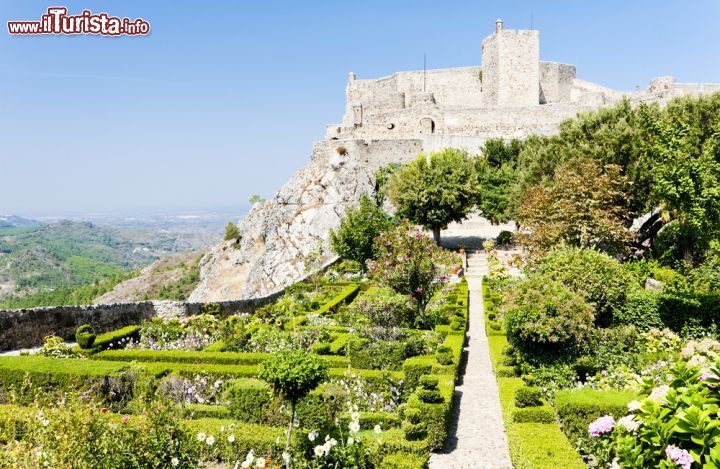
x=600 y=279
x=496 y=170
x=354 y=238
x=231 y=232
x=382 y=179
x=582 y=206
x=435 y=190
x=683 y=144
x=292 y=374
x=610 y=136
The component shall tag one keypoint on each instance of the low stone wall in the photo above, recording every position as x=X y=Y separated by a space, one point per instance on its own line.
x=23 y=328
x=26 y=328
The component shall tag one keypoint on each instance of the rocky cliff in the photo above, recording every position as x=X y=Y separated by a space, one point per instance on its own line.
x=277 y=235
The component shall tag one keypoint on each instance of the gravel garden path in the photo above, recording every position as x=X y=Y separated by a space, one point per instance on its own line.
x=477 y=435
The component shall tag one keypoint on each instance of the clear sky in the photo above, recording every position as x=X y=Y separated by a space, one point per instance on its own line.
x=224 y=99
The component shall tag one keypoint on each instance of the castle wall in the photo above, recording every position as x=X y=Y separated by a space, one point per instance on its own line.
x=453 y=87
x=556 y=82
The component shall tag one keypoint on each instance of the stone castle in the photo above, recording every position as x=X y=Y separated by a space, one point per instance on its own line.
x=392 y=119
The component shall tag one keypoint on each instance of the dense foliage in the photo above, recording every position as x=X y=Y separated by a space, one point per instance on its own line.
x=435 y=189
x=410 y=263
x=353 y=240
x=582 y=206
x=497 y=174
x=544 y=316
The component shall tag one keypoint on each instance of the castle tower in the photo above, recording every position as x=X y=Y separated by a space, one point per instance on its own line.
x=511 y=67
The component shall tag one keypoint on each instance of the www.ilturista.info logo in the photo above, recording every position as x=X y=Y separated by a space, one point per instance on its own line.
x=57 y=21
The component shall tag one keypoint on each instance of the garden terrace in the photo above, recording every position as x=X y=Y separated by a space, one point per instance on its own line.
x=208 y=365
x=593 y=369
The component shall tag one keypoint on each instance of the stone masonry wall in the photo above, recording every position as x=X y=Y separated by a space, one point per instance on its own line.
x=27 y=328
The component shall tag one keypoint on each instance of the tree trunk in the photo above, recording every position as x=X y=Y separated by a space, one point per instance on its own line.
x=436 y=234
x=289 y=432
x=421 y=311
x=687 y=244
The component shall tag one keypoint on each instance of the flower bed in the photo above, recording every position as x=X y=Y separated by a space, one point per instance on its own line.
x=209 y=366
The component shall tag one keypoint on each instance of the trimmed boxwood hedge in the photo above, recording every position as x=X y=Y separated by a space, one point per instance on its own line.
x=535 y=414
x=345 y=296
x=577 y=408
x=55 y=372
x=532 y=445
x=217 y=358
x=50 y=375
x=116 y=339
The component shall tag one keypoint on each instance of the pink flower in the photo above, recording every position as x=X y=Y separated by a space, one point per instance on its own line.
x=679 y=456
x=419 y=290
x=125 y=419
x=604 y=424
x=711 y=377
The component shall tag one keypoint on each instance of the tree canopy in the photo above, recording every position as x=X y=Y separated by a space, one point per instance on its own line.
x=353 y=240
x=435 y=190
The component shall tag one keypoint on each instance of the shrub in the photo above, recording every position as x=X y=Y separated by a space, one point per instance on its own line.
x=85 y=336
x=249 y=400
x=444 y=358
x=75 y=435
x=232 y=233
x=597 y=277
x=430 y=396
x=528 y=397
x=55 y=347
x=321 y=348
x=411 y=264
x=345 y=296
x=413 y=424
x=691 y=314
x=545 y=316
x=404 y=461
x=675 y=425
x=117 y=339
x=457 y=324
x=377 y=354
x=586 y=366
x=353 y=240
x=504 y=238
x=414 y=368
x=641 y=309
x=535 y=414
x=429 y=392
x=578 y=407
x=384 y=307
x=506 y=372
x=429 y=382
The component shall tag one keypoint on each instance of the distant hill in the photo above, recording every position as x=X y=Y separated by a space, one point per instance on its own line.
x=171 y=278
x=67 y=254
x=12 y=221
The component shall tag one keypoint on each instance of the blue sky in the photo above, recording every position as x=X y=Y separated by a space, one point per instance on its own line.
x=224 y=99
